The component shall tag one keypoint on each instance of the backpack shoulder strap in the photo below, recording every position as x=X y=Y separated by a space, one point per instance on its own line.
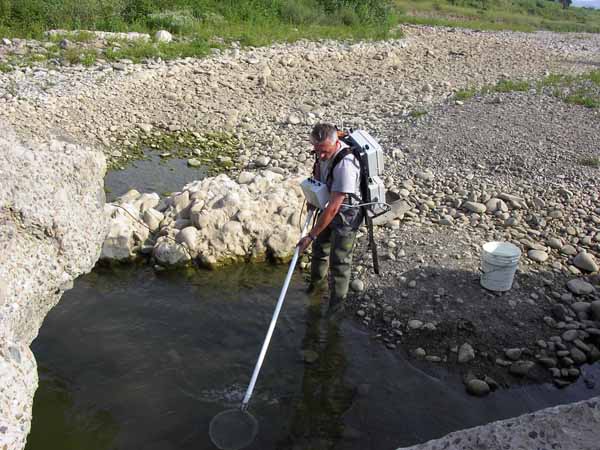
x=336 y=160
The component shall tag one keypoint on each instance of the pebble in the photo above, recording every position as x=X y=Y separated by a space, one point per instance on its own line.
x=521 y=368
x=586 y=262
x=537 y=255
x=415 y=324
x=357 y=285
x=466 y=353
x=570 y=335
x=513 y=353
x=477 y=387
x=580 y=287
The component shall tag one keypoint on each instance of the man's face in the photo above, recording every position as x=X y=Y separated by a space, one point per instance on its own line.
x=326 y=150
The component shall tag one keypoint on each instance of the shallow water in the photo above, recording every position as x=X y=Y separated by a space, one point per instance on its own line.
x=133 y=359
x=153 y=174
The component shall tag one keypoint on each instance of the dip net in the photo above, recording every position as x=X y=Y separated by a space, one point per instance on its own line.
x=233 y=429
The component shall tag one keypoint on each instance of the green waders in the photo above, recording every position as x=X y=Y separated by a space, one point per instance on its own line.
x=333 y=250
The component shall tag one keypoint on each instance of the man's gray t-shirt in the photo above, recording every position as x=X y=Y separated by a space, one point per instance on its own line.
x=346 y=174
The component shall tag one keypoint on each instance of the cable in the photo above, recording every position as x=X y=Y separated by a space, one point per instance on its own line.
x=149 y=229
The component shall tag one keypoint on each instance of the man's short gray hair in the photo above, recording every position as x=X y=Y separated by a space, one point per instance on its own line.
x=323 y=132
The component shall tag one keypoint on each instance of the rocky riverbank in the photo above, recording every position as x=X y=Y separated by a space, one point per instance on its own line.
x=51 y=230
x=502 y=167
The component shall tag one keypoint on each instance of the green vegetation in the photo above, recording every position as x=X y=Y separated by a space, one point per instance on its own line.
x=202 y=25
x=217 y=151
x=518 y=15
x=590 y=161
x=248 y=21
x=417 y=113
x=582 y=89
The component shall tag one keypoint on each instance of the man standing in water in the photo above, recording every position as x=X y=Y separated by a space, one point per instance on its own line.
x=334 y=233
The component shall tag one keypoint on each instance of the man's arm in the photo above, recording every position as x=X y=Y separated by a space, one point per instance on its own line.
x=333 y=207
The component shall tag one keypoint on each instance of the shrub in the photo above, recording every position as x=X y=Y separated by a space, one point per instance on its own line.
x=301 y=12
x=181 y=21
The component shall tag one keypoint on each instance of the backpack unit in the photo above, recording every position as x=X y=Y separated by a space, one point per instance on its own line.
x=369 y=154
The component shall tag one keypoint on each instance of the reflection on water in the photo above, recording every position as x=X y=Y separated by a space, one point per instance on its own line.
x=132 y=359
x=153 y=174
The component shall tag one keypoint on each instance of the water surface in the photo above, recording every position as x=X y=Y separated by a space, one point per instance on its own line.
x=133 y=359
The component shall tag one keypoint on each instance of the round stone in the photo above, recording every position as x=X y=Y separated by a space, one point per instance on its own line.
x=415 y=324
x=537 y=255
x=586 y=262
x=478 y=388
x=357 y=285
x=580 y=287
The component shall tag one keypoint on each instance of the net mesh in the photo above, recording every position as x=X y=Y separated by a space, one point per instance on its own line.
x=233 y=429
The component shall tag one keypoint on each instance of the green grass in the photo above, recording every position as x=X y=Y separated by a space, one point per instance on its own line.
x=581 y=90
x=199 y=25
x=315 y=19
x=584 y=98
x=5 y=68
x=417 y=113
x=590 y=161
x=518 y=15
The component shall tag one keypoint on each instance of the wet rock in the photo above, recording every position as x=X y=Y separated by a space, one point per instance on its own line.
x=521 y=368
x=595 y=309
x=547 y=362
x=420 y=353
x=578 y=356
x=478 y=388
x=580 y=287
x=466 y=353
x=513 y=353
x=415 y=324
x=310 y=356
x=357 y=285
x=570 y=335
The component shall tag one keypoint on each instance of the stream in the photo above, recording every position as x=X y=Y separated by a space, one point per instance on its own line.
x=137 y=359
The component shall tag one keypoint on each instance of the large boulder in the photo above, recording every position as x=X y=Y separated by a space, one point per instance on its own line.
x=51 y=229
x=216 y=221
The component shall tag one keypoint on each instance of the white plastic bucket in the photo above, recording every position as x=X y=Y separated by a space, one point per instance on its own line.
x=499 y=262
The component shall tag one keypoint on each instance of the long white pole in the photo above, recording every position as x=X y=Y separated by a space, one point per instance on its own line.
x=265 y=345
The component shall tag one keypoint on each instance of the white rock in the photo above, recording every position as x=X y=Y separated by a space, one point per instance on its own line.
x=246 y=177
x=188 y=236
x=153 y=218
x=475 y=207
x=167 y=252
x=163 y=36
x=294 y=119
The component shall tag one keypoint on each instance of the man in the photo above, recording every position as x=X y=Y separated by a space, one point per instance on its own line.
x=334 y=233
